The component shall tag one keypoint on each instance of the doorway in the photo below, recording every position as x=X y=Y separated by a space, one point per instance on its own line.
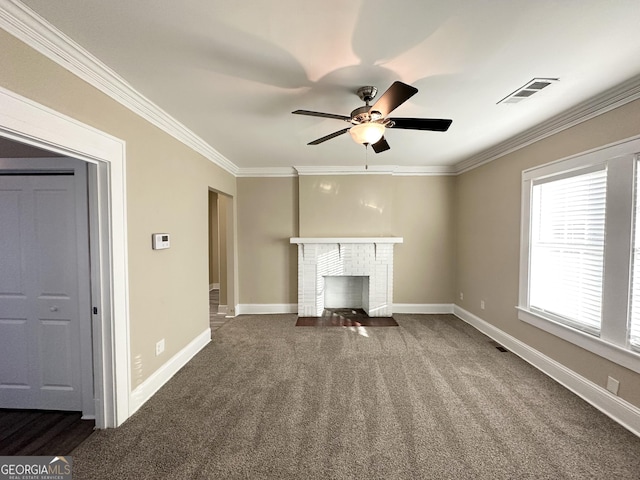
x=29 y=123
x=45 y=304
x=219 y=205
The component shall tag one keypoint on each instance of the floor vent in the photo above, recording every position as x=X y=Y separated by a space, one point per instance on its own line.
x=498 y=346
x=530 y=88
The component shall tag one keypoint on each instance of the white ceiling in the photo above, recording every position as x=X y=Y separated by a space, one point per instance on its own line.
x=232 y=71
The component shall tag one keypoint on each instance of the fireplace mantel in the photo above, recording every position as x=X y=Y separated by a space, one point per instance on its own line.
x=321 y=257
x=303 y=240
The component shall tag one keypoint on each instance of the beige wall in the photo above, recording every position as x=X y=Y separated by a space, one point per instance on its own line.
x=423 y=216
x=346 y=205
x=419 y=209
x=167 y=191
x=267 y=218
x=488 y=240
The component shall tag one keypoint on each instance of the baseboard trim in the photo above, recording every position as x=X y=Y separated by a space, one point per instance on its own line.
x=616 y=408
x=151 y=385
x=266 y=308
x=423 y=308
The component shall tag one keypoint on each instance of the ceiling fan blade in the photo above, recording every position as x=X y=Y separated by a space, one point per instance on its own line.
x=320 y=114
x=433 y=124
x=329 y=137
x=380 y=146
x=396 y=95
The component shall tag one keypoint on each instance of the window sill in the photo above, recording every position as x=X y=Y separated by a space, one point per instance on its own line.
x=620 y=355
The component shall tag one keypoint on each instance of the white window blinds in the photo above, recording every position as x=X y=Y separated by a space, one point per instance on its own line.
x=567 y=248
x=634 y=327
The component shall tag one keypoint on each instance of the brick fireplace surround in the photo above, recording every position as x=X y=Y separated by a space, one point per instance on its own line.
x=370 y=257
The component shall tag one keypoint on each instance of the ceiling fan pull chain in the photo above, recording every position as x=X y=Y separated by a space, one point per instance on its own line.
x=366 y=156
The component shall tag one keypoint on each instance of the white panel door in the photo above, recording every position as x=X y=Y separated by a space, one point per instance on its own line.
x=39 y=307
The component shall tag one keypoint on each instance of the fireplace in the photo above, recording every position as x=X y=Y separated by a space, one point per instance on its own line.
x=332 y=271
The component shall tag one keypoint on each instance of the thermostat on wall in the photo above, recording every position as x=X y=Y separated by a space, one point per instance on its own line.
x=160 y=241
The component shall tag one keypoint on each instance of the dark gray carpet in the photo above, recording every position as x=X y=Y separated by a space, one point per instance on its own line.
x=433 y=398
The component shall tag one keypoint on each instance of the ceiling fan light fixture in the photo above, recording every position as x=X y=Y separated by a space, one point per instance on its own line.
x=367 y=133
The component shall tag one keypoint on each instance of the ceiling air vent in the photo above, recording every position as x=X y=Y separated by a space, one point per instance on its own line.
x=529 y=89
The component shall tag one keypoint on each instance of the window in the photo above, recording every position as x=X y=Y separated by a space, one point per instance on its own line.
x=580 y=251
x=567 y=248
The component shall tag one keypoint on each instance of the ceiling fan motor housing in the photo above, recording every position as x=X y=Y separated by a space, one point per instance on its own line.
x=362 y=115
x=367 y=94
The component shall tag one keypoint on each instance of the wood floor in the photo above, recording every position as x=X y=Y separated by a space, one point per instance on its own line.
x=40 y=432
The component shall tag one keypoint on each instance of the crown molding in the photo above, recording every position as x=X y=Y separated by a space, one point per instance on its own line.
x=608 y=100
x=344 y=170
x=26 y=25
x=423 y=171
x=374 y=170
x=267 y=172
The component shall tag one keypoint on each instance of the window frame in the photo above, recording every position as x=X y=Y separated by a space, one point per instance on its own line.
x=620 y=161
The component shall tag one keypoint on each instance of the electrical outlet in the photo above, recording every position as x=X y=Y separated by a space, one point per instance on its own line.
x=613 y=385
x=461 y=296
x=482 y=304
x=160 y=347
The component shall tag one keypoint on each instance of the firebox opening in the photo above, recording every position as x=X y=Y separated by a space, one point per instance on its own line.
x=346 y=291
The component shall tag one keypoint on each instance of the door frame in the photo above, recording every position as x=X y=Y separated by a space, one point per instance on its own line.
x=26 y=121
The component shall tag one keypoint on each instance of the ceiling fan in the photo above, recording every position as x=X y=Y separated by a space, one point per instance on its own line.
x=370 y=122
